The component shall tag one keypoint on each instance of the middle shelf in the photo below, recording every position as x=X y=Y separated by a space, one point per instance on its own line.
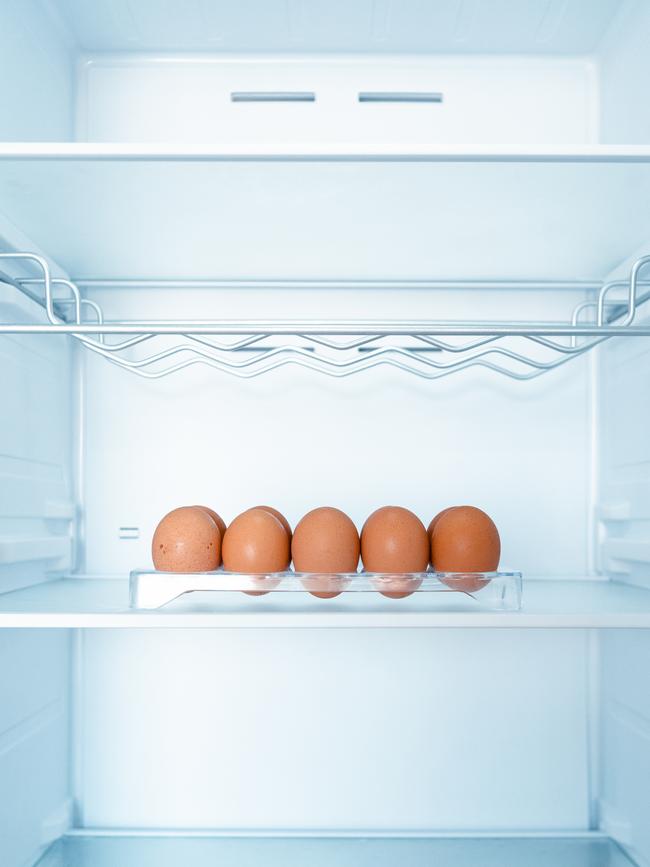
x=547 y=604
x=428 y=348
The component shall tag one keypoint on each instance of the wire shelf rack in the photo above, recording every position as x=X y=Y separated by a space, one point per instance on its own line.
x=429 y=349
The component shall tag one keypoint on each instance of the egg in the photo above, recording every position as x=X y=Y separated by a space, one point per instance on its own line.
x=280 y=517
x=325 y=541
x=436 y=518
x=186 y=540
x=464 y=539
x=394 y=540
x=267 y=582
x=264 y=582
x=218 y=520
x=255 y=542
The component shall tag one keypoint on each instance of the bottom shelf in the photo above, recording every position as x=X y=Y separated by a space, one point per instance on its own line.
x=170 y=851
x=88 y=603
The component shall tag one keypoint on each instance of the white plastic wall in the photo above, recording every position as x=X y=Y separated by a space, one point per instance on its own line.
x=35 y=799
x=37 y=512
x=180 y=99
x=334 y=730
x=36 y=59
x=624 y=65
x=623 y=498
x=623 y=510
x=37 y=508
x=625 y=740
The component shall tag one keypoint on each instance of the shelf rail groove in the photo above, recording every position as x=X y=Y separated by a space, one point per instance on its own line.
x=430 y=349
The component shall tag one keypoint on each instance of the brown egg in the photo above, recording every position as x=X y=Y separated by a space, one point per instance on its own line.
x=435 y=520
x=280 y=517
x=464 y=540
x=287 y=529
x=325 y=541
x=265 y=582
x=394 y=540
x=186 y=540
x=255 y=542
x=218 y=520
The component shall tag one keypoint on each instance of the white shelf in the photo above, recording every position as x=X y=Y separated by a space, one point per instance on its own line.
x=103 y=603
x=280 y=211
x=588 y=850
x=296 y=151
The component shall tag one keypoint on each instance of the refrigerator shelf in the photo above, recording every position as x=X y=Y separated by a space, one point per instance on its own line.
x=103 y=603
x=97 y=849
x=495 y=591
x=429 y=349
x=290 y=210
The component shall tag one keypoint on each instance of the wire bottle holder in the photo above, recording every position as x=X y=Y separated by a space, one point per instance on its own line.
x=429 y=349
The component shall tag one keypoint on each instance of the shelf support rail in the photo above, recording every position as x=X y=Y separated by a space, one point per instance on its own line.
x=365 y=350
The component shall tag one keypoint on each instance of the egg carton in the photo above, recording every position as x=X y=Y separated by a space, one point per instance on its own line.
x=495 y=591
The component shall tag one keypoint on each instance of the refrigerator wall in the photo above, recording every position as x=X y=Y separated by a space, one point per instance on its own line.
x=35 y=785
x=623 y=513
x=37 y=512
x=37 y=60
x=335 y=730
x=36 y=447
x=623 y=69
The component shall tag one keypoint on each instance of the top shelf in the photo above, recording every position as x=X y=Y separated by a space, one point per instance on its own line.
x=269 y=151
x=299 y=213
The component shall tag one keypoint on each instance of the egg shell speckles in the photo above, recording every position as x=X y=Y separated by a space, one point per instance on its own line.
x=186 y=540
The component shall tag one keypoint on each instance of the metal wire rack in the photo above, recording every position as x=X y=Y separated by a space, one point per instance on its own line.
x=521 y=350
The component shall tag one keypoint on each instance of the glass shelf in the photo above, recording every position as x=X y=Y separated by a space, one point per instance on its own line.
x=97 y=850
x=103 y=603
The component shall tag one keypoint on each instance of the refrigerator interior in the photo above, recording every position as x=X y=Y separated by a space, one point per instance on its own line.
x=505 y=180
x=529 y=73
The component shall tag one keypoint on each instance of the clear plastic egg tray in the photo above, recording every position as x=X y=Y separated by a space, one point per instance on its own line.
x=494 y=591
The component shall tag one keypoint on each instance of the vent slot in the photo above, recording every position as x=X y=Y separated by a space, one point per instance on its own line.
x=129 y=532
x=273 y=96
x=399 y=96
